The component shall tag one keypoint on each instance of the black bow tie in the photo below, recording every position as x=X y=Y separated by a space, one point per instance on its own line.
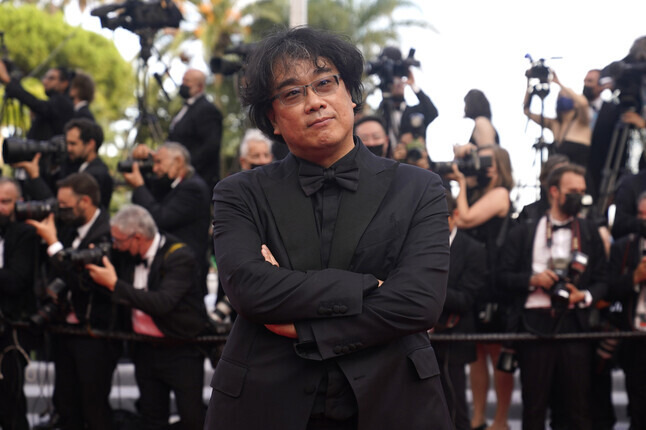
x=313 y=177
x=140 y=261
x=559 y=226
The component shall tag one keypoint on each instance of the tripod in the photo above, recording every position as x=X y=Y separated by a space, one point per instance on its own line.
x=541 y=147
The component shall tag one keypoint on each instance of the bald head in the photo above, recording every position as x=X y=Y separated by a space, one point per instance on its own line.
x=195 y=80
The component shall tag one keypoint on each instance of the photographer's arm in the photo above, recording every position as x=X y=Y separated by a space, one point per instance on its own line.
x=494 y=203
x=547 y=122
x=4 y=73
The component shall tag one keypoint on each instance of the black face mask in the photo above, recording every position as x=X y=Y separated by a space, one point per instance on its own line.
x=573 y=204
x=588 y=92
x=378 y=150
x=253 y=166
x=184 y=92
x=67 y=217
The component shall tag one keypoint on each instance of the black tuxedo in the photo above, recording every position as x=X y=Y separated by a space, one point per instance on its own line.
x=17 y=303
x=545 y=365
x=200 y=131
x=84 y=112
x=184 y=213
x=393 y=228
x=50 y=116
x=628 y=191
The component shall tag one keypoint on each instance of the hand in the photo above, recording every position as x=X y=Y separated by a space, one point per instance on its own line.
x=461 y=151
x=633 y=118
x=546 y=279
x=4 y=73
x=134 y=178
x=456 y=175
x=105 y=276
x=576 y=295
x=46 y=229
x=142 y=152
x=31 y=167
x=269 y=257
x=410 y=78
x=640 y=272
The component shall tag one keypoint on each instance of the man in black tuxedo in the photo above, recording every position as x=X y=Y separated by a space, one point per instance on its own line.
x=336 y=281
x=627 y=275
x=535 y=256
x=83 y=365
x=466 y=269
x=177 y=198
x=49 y=115
x=18 y=263
x=198 y=126
x=160 y=287
x=84 y=138
x=82 y=94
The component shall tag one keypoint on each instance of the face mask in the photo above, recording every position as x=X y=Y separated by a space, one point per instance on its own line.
x=253 y=166
x=564 y=104
x=573 y=204
x=588 y=93
x=378 y=150
x=67 y=217
x=184 y=92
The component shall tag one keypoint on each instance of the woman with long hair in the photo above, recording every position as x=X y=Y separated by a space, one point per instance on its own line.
x=477 y=108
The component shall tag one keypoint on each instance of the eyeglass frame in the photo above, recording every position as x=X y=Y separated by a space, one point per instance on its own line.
x=337 y=79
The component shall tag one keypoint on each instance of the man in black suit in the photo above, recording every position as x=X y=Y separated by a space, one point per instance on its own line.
x=177 y=198
x=49 y=115
x=627 y=277
x=18 y=263
x=536 y=255
x=82 y=94
x=84 y=138
x=466 y=269
x=198 y=126
x=165 y=301
x=83 y=365
x=335 y=260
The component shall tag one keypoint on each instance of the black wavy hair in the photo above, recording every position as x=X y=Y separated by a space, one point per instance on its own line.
x=476 y=104
x=279 y=50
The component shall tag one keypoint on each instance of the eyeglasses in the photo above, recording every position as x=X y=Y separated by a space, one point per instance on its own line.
x=295 y=95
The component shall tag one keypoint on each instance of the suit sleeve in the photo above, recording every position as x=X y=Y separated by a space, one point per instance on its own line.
x=17 y=272
x=176 y=282
x=515 y=273
x=170 y=216
x=621 y=284
x=332 y=306
x=209 y=129
x=626 y=220
x=45 y=108
x=470 y=280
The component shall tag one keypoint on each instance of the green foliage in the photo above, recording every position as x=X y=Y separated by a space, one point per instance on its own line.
x=37 y=40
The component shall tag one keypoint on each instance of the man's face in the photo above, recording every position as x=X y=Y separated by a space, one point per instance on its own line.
x=72 y=206
x=319 y=128
x=371 y=134
x=258 y=154
x=77 y=150
x=641 y=209
x=130 y=243
x=52 y=82
x=571 y=183
x=591 y=80
x=165 y=163
x=8 y=198
x=194 y=80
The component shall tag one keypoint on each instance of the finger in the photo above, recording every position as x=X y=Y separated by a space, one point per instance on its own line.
x=106 y=262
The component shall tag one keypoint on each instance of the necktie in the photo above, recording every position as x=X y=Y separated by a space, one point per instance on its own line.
x=313 y=177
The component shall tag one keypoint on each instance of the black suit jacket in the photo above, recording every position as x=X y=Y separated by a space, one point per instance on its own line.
x=173 y=298
x=516 y=268
x=393 y=228
x=466 y=277
x=424 y=107
x=17 y=299
x=628 y=191
x=624 y=259
x=200 y=131
x=50 y=115
x=84 y=112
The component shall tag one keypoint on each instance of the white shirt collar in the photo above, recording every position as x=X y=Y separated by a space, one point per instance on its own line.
x=82 y=230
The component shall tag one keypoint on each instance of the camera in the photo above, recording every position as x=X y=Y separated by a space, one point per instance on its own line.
x=568 y=273
x=390 y=65
x=628 y=82
x=78 y=258
x=539 y=71
x=15 y=149
x=221 y=66
x=507 y=360
x=145 y=165
x=49 y=309
x=470 y=165
x=36 y=209
x=136 y=15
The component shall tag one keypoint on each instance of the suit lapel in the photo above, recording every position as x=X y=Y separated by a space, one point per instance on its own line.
x=288 y=203
x=357 y=209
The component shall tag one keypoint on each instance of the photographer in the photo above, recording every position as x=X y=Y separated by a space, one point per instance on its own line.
x=477 y=108
x=83 y=365
x=166 y=302
x=83 y=139
x=49 y=116
x=18 y=262
x=485 y=217
x=554 y=269
x=82 y=94
x=627 y=275
x=177 y=198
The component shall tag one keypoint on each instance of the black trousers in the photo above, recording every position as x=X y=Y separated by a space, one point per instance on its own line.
x=84 y=368
x=162 y=369
x=632 y=358
x=454 y=384
x=548 y=365
x=13 y=405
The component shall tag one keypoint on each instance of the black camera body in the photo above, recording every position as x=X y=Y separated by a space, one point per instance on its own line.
x=36 y=209
x=15 y=149
x=222 y=66
x=539 y=71
x=628 y=80
x=54 y=292
x=145 y=165
x=136 y=15
x=567 y=273
x=390 y=65
x=78 y=258
x=470 y=165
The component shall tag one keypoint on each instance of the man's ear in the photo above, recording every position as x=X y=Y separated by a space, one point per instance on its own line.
x=271 y=115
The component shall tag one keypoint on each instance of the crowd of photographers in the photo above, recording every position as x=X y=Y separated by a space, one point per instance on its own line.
x=556 y=268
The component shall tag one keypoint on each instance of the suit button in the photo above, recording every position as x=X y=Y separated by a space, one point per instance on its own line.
x=324 y=311
x=343 y=309
x=345 y=349
x=337 y=349
x=352 y=347
x=337 y=309
x=310 y=389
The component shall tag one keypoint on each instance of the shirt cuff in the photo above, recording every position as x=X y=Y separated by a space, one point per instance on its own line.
x=587 y=301
x=54 y=248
